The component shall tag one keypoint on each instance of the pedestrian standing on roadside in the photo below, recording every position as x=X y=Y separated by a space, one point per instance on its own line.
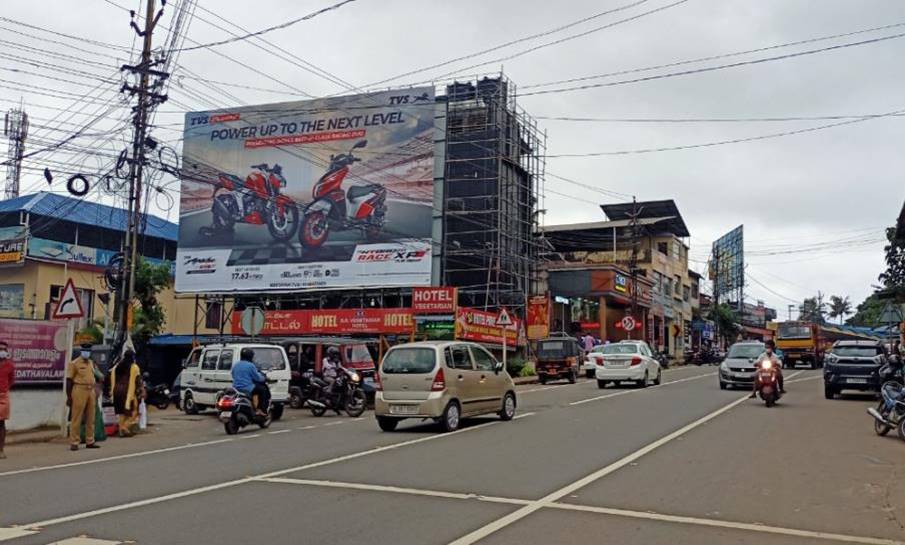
x=7 y=378
x=81 y=398
x=127 y=391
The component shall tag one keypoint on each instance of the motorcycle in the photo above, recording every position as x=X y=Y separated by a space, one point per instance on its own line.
x=767 y=379
x=363 y=207
x=237 y=411
x=890 y=412
x=255 y=201
x=158 y=395
x=301 y=388
x=663 y=359
x=346 y=395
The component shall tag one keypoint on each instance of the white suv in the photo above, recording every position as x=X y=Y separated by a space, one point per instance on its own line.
x=208 y=369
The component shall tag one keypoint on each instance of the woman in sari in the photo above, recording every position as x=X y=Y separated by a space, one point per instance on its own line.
x=126 y=390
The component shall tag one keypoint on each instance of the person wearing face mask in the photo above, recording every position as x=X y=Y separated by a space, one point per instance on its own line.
x=7 y=378
x=81 y=398
x=770 y=354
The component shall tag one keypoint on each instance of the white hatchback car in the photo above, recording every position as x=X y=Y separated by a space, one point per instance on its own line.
x=627 y=361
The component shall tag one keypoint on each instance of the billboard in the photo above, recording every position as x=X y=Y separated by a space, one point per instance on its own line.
x=727 y=266
x=328 y=193
x=480 y=326
x=538 y=316
x=38 y=347
x=374 y=321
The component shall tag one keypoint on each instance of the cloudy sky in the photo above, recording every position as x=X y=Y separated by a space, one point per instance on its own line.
x=796 y=195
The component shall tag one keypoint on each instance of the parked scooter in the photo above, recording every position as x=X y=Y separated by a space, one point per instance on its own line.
x=362 y=207
x=256 y=201
x=237 y=411
x=158 y=395
x=663 y=359
x=346 y=395
x=767 y=379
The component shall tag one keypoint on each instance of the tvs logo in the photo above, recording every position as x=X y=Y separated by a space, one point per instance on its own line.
x=387 y=255
x=399 y=99
x=199 y=265
x=423 y=97
x=212 y=119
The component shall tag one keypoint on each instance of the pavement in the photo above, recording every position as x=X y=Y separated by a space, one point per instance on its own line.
x=680 y=463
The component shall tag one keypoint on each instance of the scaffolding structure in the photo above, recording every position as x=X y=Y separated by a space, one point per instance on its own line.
x=494 y=178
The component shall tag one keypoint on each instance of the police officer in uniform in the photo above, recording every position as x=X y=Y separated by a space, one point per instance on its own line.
x=81 y=398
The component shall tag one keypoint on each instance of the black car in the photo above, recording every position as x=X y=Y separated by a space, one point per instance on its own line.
x=853 y=365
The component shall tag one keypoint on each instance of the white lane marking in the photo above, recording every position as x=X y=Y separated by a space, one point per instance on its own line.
x=85 y=541
x=252 y=436
x=398 y=490
x=624 y=392
x=726 y=524
x=522 y=415
x=227 y=484
x=646 y=515
x=556 y=495
x=111 y=458
x=275 y=432
x=306 y=428
x=334 y=423
x=13 y=533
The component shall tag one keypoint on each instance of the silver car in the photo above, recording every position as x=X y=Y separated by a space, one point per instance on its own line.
x=444 y=381
x=739 y=369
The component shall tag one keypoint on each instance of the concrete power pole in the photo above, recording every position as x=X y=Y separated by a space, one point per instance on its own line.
x=633 y=262
x=147 y=99
x=15 y=127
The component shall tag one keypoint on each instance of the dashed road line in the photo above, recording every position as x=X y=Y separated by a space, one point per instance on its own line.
x=626 y=392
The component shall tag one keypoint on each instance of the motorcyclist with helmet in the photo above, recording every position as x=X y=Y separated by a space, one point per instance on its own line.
x=251 y=382
x=330 y=367
x=769 y=354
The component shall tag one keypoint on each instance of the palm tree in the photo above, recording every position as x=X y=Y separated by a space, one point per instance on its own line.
x=840 y=307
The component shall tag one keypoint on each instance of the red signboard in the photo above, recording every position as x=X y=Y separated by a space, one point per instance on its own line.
x=333 y=322
x=434 y=300
x=538 y=316
x=480 y=326
x=38 y=347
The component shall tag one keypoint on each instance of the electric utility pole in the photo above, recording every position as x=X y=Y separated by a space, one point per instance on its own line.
x=633 y=260
x=148 y=98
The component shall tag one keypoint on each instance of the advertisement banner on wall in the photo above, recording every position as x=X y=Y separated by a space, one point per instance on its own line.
x=12 y=300
x=38 y=347
x=538 y=317
x=326 y=193
x=13 y=242
x=373 y=321
x=480 y=326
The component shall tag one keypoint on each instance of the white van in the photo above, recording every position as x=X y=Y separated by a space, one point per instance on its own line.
x=207 y=374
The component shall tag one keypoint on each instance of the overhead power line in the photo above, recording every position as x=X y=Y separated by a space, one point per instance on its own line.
x=704 y=119
x=713 y=68
x=715 y=57
x=268 y=29
x=725 y=142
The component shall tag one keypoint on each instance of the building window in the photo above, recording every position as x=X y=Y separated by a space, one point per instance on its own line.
x=213 y=314
x=694 y=290
x=676 y=250
x=658 y=282
x=663 y=248
x=686 y=293
x=678 y=285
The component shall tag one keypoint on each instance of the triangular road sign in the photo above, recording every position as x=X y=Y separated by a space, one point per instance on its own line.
x=504 y=319
x=69 y=305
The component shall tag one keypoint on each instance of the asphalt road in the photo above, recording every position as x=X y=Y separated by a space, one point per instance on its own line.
x=404 y=220
x=682 y=463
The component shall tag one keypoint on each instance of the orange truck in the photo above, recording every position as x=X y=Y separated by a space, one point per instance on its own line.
x=801 y=342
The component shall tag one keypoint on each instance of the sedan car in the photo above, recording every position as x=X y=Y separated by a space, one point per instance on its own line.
x=627 y=361
x=589 y=367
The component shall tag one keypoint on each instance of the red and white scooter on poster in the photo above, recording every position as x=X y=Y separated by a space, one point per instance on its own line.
x=362 y=207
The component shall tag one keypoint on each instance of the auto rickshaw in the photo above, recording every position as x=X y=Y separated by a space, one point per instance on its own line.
x=558 y=358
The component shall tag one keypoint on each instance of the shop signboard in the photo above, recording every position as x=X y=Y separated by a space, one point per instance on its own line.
x=38 y=347
x=538 y=317
x=373 y=321
x=41 y=248
x=436 y=327
x=334 y=192
x=13 y=243
x=434 y=300
x=480 y=326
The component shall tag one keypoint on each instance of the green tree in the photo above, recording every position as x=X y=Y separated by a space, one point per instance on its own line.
x=726 y=321
x=813 y=309
x=149 y=318
x=867 y=312
x=840 y=307
x=894 y=275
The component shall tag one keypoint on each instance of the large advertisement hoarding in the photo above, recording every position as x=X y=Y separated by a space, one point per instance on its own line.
x=326 y=193
x=38 y=348
x=727 y=266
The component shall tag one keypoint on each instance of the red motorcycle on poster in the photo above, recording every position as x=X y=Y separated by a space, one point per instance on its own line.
x=362 y=207
x=256 y=201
